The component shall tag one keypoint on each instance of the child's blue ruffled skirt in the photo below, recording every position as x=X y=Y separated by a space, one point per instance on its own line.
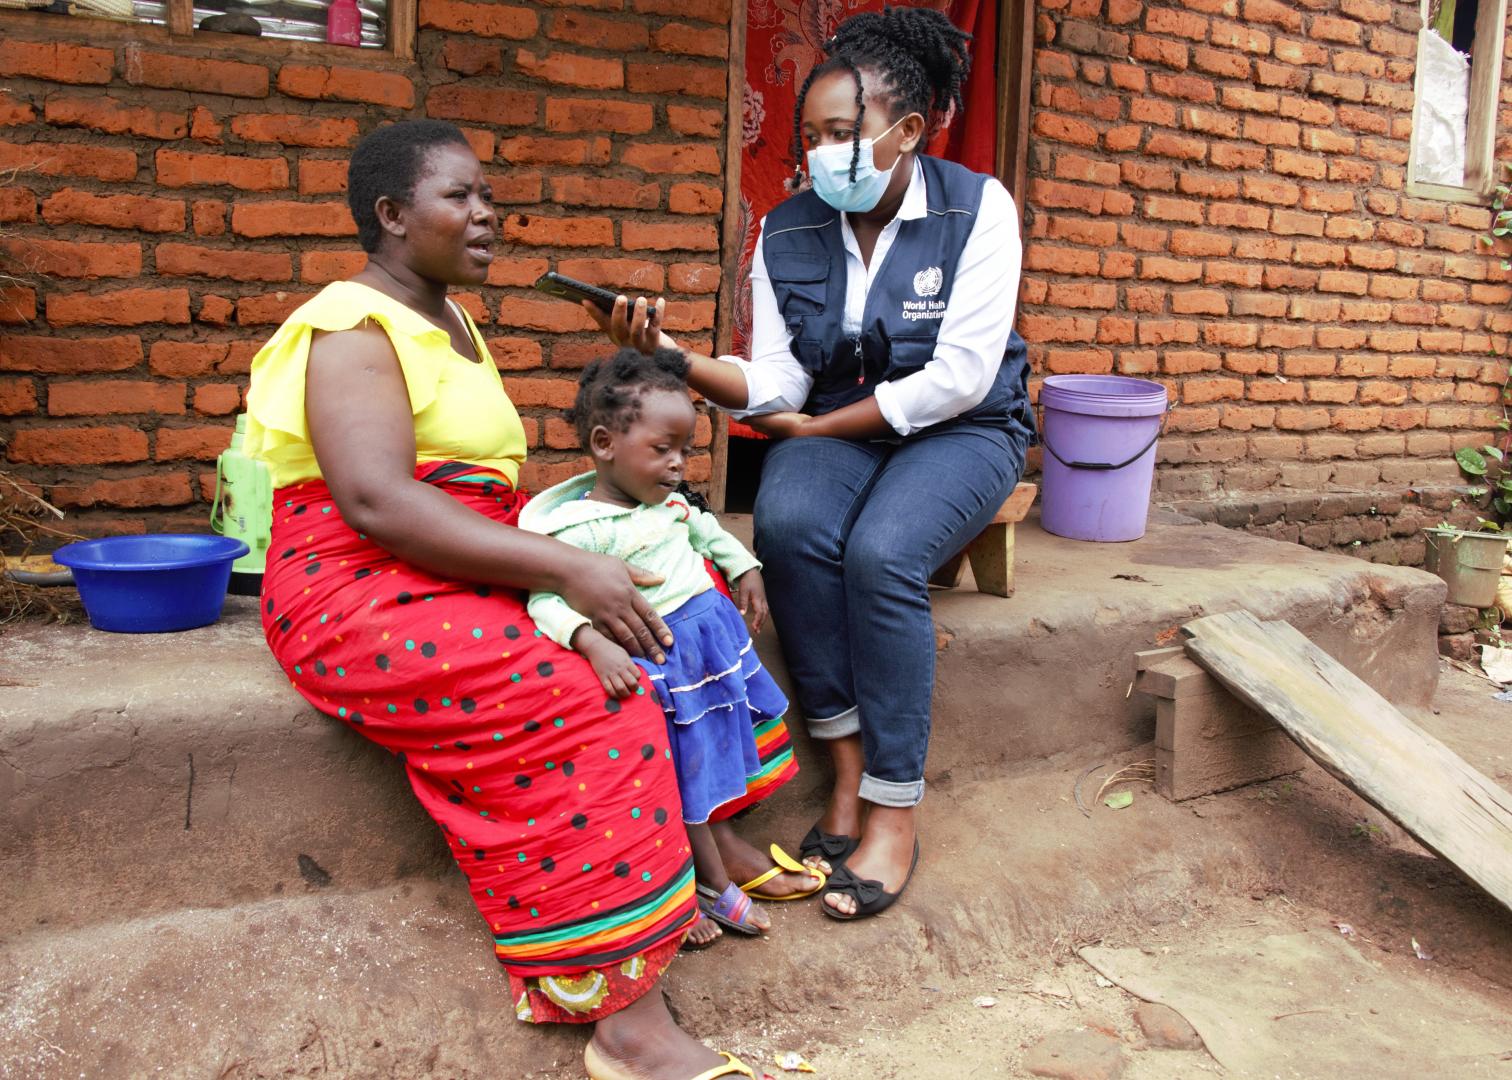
x=714 y=691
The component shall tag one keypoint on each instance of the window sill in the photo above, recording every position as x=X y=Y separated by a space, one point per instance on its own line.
x=1418 y=189
x=47 y=26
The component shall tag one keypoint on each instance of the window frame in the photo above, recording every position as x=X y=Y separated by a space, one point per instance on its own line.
x=403 y=28
x=1480 y=114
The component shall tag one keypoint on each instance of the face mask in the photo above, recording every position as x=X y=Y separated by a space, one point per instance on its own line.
x=829 y=169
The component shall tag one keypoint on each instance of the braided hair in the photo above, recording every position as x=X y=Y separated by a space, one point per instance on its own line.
x=610 y=390
x=919 y=55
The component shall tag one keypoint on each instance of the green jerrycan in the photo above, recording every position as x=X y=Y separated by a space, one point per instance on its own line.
x=243 y=508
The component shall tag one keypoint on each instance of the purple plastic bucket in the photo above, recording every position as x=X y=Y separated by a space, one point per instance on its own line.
x=1099 y=435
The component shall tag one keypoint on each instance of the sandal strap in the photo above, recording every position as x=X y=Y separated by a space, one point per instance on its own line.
x=863 y=890
x=733 y=1066
x=785 y=864
x=831 y=846
x=732 y=904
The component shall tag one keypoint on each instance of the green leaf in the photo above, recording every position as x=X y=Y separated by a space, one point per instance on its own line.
x=1119 y=799
x=1471 y=461
x=1492 y=452
x=1476 y=492
x=1502 y=506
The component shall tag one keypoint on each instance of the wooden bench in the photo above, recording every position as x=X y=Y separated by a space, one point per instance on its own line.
x=991 y=553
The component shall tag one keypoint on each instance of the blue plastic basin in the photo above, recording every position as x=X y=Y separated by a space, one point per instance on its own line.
x=152 y=584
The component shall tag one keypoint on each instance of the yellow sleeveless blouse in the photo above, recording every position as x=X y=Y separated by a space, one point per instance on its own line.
x=460 y=408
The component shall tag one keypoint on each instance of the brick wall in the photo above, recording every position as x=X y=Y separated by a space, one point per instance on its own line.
x=1217 y=201
x=181 y=197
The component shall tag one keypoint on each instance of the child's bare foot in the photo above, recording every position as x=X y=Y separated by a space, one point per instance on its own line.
x=705 y=932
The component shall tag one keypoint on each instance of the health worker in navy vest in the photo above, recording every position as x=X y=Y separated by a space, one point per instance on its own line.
x=883 y=360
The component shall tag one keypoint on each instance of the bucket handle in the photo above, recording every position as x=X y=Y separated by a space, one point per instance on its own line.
x=217 y=508
x=1102 y=466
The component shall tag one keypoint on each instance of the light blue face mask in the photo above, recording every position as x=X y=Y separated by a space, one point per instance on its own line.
x=829 y=168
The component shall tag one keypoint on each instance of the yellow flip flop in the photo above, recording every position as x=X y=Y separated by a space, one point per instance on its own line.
x=598 y=1069
x=786 y=864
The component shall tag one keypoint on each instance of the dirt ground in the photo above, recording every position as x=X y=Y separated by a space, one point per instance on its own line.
x=984 y=1020
x=1278 y=918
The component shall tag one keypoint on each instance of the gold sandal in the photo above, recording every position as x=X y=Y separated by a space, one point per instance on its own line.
x=786 y=864
x=598 y=1069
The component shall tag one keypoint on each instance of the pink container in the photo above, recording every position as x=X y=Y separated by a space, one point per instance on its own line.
x=1099 y=434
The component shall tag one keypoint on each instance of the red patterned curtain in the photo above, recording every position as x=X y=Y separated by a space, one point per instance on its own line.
x=783 y=40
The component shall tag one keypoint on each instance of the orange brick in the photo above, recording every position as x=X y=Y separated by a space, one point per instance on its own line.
x=573 y=115
x=56 y=62
x=187 y=260
x=295 y=130
x=202 y=443
x=321 y=267
x=261 y=219
x=682 y=236
x=123 y=307
x=541 y=231
x=73 y=259
x=346 y=84
x=114 y=118
x=686 y=120
x=688 y=40
x=69 y=355
x=599 y=31
x=217 y=399
x=114 y=396
x=69 y=159
x=73 y=207
x=547 y=392
x=485 y=20
x=458 y=101
x=695 y=199
x=692 y=80
x=177 y=168
x=694 y=277
x=77 y=446
x=555 y=316
x=469 y=57
x=635 y=274
x=679 y=158
x=270 y=307
x=170 y=72
x=570 y=69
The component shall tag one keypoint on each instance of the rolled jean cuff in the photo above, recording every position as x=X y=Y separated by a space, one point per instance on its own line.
x=838 y=726
x=890 y=792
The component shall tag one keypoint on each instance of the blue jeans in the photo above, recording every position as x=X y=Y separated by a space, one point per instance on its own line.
x=849 y=533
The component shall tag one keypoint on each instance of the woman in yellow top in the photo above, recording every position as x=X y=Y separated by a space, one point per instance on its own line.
x=394 y=599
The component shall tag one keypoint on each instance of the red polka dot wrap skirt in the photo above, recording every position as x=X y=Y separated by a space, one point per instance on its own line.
x=560 y=805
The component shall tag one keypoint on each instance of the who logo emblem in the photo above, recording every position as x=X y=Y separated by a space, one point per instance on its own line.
x=928 y=282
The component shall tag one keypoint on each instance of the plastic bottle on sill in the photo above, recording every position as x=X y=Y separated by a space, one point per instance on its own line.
x=344 y=23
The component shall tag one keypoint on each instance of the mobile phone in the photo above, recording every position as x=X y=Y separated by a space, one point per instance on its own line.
x=566 y=288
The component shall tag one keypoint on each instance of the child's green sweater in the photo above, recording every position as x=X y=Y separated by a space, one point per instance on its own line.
x=671 y=539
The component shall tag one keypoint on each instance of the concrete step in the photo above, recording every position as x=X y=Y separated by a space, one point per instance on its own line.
x=399 y=980
x=141 y=774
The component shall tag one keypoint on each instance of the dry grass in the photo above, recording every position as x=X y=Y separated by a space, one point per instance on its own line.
x=27 y=520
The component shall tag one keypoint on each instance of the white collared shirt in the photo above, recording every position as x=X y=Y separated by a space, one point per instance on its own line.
x=972 y=334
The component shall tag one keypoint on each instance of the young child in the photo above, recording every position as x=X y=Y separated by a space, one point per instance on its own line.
x=634 y=415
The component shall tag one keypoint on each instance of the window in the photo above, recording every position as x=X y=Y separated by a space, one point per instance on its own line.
x=1454 y=115
x=388 y=25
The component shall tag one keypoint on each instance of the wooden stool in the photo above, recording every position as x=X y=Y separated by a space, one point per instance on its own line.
x=991 y=553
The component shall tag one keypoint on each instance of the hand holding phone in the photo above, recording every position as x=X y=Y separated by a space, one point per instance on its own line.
x=566 y=288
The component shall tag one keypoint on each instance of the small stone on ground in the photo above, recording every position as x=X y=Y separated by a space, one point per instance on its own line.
x=1076 y=1055
x=1166 y=1028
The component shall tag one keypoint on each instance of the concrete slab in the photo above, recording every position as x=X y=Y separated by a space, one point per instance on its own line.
x=140 y=774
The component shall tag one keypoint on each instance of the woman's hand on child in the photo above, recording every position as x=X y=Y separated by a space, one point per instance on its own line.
x=612 y=664
x=638 y=325
x=781 y=425
x=750 y=592
x=604 y=589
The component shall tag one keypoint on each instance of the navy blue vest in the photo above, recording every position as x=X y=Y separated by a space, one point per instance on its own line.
x=805 y=258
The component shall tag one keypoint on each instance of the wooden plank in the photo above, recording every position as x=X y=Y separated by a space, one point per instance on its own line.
x=1176 y=677
x=1148 y=658
x=1359 y=737
x=991 y=556
x=404 y=20
x=730 y=241
x=181 y=17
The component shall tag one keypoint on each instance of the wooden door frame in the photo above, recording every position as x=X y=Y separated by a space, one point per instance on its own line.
x=1015 y=66
x=731 y=238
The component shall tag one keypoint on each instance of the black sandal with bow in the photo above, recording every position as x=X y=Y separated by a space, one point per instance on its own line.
x=833 y=848
x=871 y=898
